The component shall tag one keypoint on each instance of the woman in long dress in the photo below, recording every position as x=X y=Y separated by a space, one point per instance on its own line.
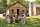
x=14 y=19
x=23 y=17
x=7 y=19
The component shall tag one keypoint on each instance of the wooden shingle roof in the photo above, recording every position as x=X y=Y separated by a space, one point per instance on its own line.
x=16 y=3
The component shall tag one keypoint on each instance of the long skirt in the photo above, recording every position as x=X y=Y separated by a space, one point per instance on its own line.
x=8 y=20
x=23 y=21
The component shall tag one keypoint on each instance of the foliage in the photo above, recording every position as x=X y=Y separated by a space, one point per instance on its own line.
x=3 y=5
x=22 y=1
x=37 y=1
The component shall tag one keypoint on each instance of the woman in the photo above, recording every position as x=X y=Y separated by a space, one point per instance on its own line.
x=14 y=18
x=23 y=17
x=8 y=18
x=11 y=19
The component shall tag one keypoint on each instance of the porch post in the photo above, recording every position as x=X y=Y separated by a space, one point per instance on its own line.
x=34 y=9
x=7 y=13
x=29 y=8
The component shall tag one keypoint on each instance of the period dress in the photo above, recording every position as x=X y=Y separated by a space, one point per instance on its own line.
x=13 y=19
x=22 y=18
x=7 y=19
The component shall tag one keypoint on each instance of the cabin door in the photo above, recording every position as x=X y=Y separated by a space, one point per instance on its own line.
x=17 y=12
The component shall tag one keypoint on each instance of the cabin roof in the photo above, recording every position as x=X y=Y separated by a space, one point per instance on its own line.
x=16 y=3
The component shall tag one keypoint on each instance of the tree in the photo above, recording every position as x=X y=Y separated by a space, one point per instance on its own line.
x=12 y=1
x=3 y=5
x=37 y=1
x=23 y=2
x=9 y=2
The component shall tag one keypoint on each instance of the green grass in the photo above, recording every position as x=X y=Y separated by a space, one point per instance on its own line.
x=3 y=24
x=33 y=21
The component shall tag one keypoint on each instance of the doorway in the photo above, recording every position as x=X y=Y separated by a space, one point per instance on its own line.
x=17 y=13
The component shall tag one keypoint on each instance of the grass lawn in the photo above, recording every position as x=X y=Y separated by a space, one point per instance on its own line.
x=3 y=24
